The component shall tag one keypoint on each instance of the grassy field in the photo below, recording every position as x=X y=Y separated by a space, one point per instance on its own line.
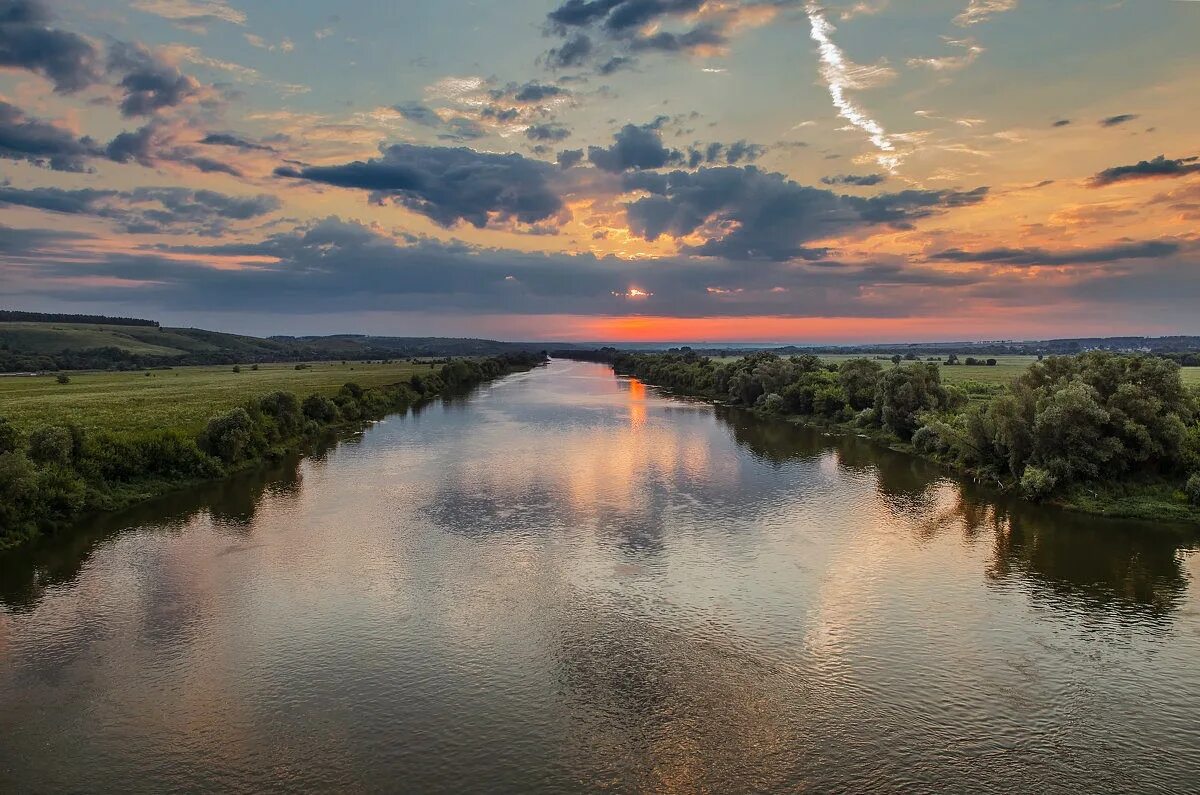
x=1007 y=368
x=183 y=398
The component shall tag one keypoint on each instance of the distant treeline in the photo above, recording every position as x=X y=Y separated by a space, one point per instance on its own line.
x=1071 y=428
x=55 y=473
x=12 y=316
x=1161 y=346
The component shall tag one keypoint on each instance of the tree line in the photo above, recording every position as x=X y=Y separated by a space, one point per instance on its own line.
x=13 y=316
x=1069 y=423
x=53 y=474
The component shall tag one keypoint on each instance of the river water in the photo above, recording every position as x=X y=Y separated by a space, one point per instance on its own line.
x=567 y=581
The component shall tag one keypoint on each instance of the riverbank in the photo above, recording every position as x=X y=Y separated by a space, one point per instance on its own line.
x=52 y=473
x=1101 y=434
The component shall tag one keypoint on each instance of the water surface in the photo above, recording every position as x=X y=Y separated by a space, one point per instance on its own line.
x=566 y=581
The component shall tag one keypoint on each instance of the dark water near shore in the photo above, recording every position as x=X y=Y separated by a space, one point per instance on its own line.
x=566 y=581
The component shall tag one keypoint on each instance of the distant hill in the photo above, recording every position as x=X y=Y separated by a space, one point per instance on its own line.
x=72 y=344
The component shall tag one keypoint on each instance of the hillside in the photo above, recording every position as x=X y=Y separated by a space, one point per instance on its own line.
x=63 y=345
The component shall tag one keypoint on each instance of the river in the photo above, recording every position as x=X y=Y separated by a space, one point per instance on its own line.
x=567 y=581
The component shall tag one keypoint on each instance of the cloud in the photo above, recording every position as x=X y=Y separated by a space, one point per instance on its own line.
x=193 y=14
x=235 y=141
x=1113 y=121
x=547 y=132
x=1158 y=168
x=449 y=185
x=156 y=142
x=333 y=265
x=1061 y=123
x=730 y=154
x=570 y=157
x=41 y=143
x=571 y=53
x=147 y=210
x=982 y=10
x=842 y=76
x=28 y=41
x=748 y=214
x=698 y=27
x=1150 y=249
x=854 y=179
x=635 y=147
x=950 y=63
x=150 y=83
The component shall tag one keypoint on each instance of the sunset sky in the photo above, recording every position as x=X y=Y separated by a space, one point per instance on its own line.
x=668 y=170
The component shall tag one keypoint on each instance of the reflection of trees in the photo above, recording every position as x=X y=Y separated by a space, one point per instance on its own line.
x=27 y=572
x=1065 y=556
x=676 y=708
x=776 y=441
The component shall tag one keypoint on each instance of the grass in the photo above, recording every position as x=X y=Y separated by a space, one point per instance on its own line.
x=1007 y=368
x=183 y=398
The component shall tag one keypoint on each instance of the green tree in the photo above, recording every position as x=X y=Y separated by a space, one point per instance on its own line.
x=907 y=392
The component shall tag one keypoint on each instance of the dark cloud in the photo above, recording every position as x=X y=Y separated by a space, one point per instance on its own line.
x=730 y=154
x=634 y=26
x=1150 y=249
x=547 y=132
x=449 y=184
x=235 y=141
x=1062 y=123
x=1158 y=168
x=694 y=39
x=461 y=128
x=571 y=53
x=534 y=92
x=570 y=157
x=154 y=143
x=854 y=179
x=635 y=148
x=418 y=113
x=36 y=243
x=27 y=41
x=747 y=214
x=1113 y=121
x=616 y=64
x=40 y=142
x=149 y=82
x=147 y=210
x=331 y=265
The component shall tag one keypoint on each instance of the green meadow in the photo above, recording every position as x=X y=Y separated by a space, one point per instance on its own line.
x=183 y=398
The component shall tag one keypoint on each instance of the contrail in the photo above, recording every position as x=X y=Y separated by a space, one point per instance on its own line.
x=837 y=76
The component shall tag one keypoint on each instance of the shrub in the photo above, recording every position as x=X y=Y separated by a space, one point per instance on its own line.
x=10 y=437
x=772 y=403
x=1037 y=483
x=18 y=490
x=51 y=445
x=237 y=368
x=1193 y=489
x=60 y=494
x=320 y=409
x=229 y=436
x=284 y=409
x=63 y=378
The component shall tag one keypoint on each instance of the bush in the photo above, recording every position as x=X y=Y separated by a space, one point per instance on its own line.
x=10 y=437
x=63 y=378
x=60 y=494
x=1193 y=489
x=229 y=436
x=237 y=368
x=51 y=445
x=320 y=408
x=772 y=403
x=1037 y=483
x=18 y=492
